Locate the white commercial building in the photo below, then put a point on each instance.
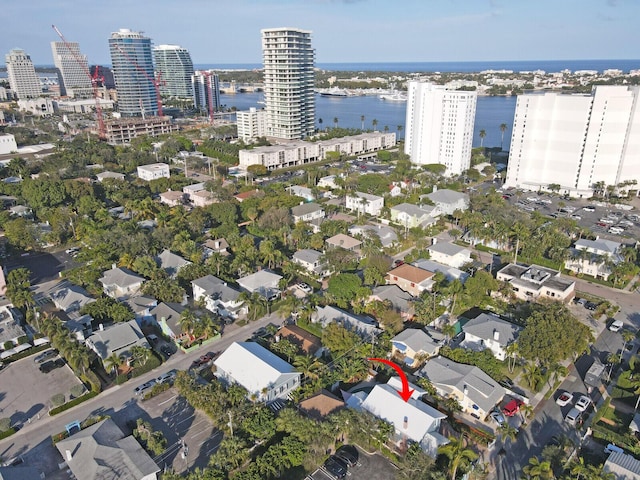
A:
(252, 124)
(22, 75)
(288, 82)
(439, 126)
(575, 141)
(153, 171)
(73, 70)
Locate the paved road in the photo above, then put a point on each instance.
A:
(118, 397)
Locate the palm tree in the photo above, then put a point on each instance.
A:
(557, 370)
(580, 469)
(508, 432)
(386, 129)
(454, 289)
(483, 133)
(307, 365)
(374, 122)
(503, 128)
(112, 362)
(613, 359)
(532, 375)
(520, 231)
(320, 124)
(449, 331)
(187, 321)
(537, 470)
(361, 122)
(511, 351)
(526, 410)
(627, 336)
(335, 122)
(399, 130)
(458, 454)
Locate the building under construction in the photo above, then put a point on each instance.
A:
(123, 130)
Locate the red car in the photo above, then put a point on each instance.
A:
(511, 408)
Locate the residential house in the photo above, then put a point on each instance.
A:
(218, 297)
(487, 331)
(153, 171)
(167, 316)
(189, 190)
(594, 257)
(263, 282)
(328, 182)
(364, 203)
(409, 215)
(449, 254)
(11, 331)
(172, 198)
(21, 211)
(70, 298)
(623, 466)
(306, 212)
(240, 197)
(306, 342)
(218, 245)
(80, 326)
(387, 235)
(300, 191)
(401, 301)
(103, 452)
(320, 405)
(102, 176)
(171, 263)
(532, 282)
(344, 241)
(311, 261)
(415, 345)
(117, 339)
(476, 391)
(448, 201)
(364, 326)
(202, 198)
(412, 420)
(141, 306)
(120, 283)
(395, 190)
(412, 280)
(450, 273)
(265, 375)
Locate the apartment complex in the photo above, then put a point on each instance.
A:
(132, 65)
(288, 82)
(439, 126)
(252, 124)
(72, 69)
(175, 68)
(124, 129)
(299, 153)
(575, 141)
(205, 86)
(22, 75)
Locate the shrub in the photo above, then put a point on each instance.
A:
(153, 362)
(5, 424)
(7, 433)
(72, 403)
(155, 390)
(77, 390)
(22, 339)
(8, 345)
(122, 378)
(89, 377)
(57, 399)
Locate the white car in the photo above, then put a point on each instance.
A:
(616, 325)
(583, 403)
(564, 399)
(589, 208)
(498, 417)
(305, 288)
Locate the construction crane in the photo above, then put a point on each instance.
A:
(95, 79)
(207, 75)
(156, 82)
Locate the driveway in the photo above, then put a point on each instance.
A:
(369, 467)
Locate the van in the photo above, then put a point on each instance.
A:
(616, 325)
(573, 417)
(612, 447)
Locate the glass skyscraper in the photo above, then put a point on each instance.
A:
(175, 67)
(132, 65)
(288, 82)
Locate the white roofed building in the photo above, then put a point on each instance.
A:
(153, 171)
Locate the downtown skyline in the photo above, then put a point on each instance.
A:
(343, 31)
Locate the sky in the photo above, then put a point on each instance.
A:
(343, 31)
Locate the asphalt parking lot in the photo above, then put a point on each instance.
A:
(25, 392)
(181, 426)
(369, 467)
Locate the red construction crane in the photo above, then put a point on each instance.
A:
(156, 82)
(102, 131)
(209, 94)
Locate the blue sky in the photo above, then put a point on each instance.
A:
(228, 31)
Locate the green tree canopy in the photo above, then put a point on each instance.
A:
(344, 288)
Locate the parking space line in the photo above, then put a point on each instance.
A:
(199, 433)
(166, 401)
(188, 418)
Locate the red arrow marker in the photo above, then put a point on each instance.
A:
(406, 392)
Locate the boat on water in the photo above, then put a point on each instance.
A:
(394, 97)
(334, 92)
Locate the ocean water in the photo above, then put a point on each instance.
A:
(463, 67)
(491, 112)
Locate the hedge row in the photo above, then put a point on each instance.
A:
(7, 433)
(156, 390)
(628, 441)
(72, 403)
(27, 353)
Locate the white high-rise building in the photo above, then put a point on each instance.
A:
(575, 141)
(22, 75)
(288, 82)
(175, 67)
(132, 65)
(252, 124)
(206, 88)
(72, 76)
(439, 126)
